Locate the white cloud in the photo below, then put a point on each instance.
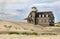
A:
(53, 4)
(17, 1)
(24, 1)
(42, 5)
(24, 4)
(57, 3)
(11, 14)
(12, 1)
(8, 15)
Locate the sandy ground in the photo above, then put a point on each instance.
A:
(22, 27)
(29, 37)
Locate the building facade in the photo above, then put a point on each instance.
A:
(40, 18)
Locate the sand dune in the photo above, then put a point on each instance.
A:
(29, 37)
(17, 26)
(21, 26)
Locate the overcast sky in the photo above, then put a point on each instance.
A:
(17, 10)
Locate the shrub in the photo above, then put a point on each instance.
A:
(13, 33)
(48, 34)
(25, 33)
(34, 33)
(58, 22)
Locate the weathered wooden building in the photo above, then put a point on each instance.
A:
(40, 18)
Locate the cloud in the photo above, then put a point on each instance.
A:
(56, 4)
(24, 1)
(15, 9)
(8, 15)
(53, 4)
(12, 1)
(44, 6)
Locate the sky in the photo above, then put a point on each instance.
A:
(17, 10)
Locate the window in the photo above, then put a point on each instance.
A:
(53, 20)
(42, 15)
(50, 20)
(39, 15)
(47, 15)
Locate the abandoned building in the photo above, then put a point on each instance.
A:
(40, 18)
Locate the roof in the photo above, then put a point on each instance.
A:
(46, 12)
